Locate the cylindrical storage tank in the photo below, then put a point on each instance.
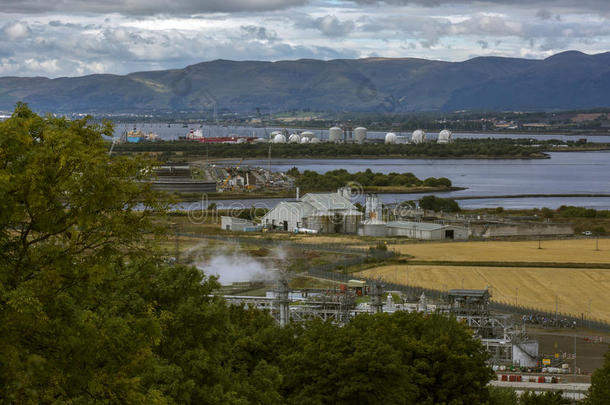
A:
(279, 138)
(314, 140)
(294, 138)
(335, 134)
(390, 137)
(360, 134)
(307, 134)
(419, 136)
(304, 140)
(445, 136)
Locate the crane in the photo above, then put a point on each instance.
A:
(224, 184)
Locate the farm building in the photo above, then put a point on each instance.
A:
(236, 224)
(426, 230)
(320, 212)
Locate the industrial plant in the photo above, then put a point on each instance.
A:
(507, 344)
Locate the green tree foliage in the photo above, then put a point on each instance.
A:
(88, 311)
(399, 359)
(437, 204)
(502, 396)
(459, 148)
(311, 180)
(599, 392)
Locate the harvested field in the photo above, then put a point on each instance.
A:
(553, 251)
(576, 290)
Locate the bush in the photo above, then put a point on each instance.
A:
(436, 204)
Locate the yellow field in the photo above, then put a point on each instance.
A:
(577, 290)
(553, 251)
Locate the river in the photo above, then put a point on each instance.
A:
(563, 173)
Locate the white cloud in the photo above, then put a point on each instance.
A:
(17, 30)
(58, 43)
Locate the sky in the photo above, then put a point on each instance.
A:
(57, 38)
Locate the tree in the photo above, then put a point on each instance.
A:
(599, 392)
(71, 247)
(400, 358)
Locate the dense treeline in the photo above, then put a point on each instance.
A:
(311, 180)
(438, 204)
(91, 310)
(459, 148)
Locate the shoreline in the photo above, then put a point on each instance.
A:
(290, 193)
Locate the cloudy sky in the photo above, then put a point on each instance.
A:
(75, 37)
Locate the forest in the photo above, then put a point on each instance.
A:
(313, 181)
(460, 148)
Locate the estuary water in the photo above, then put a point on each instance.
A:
(563, 173)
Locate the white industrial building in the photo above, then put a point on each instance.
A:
(426, 230)
(315, 212)
(236, 224)
(373, 225)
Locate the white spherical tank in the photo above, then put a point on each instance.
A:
(274, 133)
(304, 139)
(294, 138)
(279, 138)
(335, 134)
(314, 140)
(419, 136)
(307, 134)
(360, 134)
(390, 137)
(445, 136)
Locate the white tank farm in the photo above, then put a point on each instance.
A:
(279, 138)
(390, 138)
(419, 136)
(445, 136)
(294, 138)
(360, 134)
(304, 140)
(335, 134)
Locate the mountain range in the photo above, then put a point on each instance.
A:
(569, 80)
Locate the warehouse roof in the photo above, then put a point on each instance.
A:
(328, 201)
(424, 226)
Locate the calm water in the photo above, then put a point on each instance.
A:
(176, 130)
(564, 173)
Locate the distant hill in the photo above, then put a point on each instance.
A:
(569, 80)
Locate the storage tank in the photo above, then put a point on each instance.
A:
(335, 134)
(419, 136)
(314, 140)
(259, 140)
(307, 134)
(360, 134)
(445, 136)
(279, 138)
(390, 137)
(304, 140)
(294, 138)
